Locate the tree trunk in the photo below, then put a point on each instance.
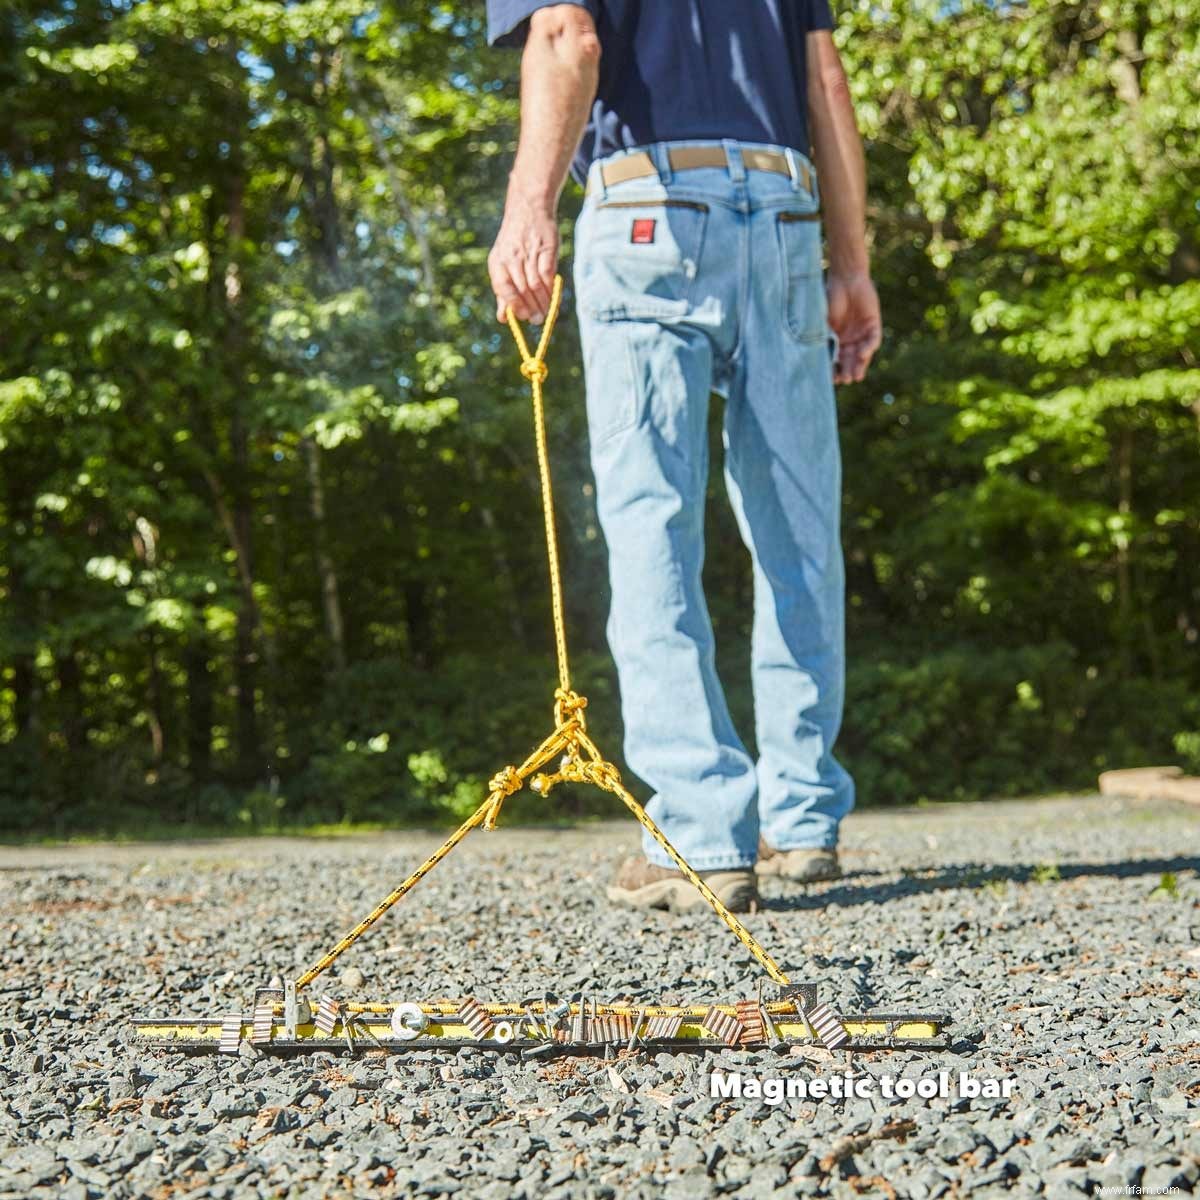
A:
(246, 651)
(155, 704)
(500, 563)
(70, 690)
(1124, 450)
(24, 686)
(22, 603)
(246, 659)
(199, 699)
(328, 278)
(326, 572)
(418, 623)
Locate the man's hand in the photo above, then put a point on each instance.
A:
(854, 316)
(523, 260)
(559, 72)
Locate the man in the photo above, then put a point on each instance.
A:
(698, 269)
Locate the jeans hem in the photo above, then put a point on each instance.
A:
(822, 845)
(725, 863)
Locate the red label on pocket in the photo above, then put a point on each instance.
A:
(643, 231)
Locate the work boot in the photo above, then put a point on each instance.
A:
(643, 884)
(800, 866)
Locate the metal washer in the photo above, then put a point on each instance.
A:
(408, 1022)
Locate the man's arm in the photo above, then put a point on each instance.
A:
(837, 148)
(560, 68)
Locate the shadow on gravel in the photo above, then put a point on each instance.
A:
(856, 888)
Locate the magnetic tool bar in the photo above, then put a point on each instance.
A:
(544, 1027)
(283, 1019)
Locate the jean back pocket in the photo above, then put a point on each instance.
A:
(637, 259)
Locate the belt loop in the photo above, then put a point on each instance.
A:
(595, 183)
(794, 169)
(660, 154)
(733, 160)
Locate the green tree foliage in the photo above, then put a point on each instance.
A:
(1025, 497)
(269, 530)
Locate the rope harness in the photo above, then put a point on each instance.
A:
(579, 759)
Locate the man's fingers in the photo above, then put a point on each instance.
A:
(538, 270)
(506, 297)
(853, 363)
(858, 361)
(539, 296)
(545, 266)
(502, 287)
(512, 296)
(854, 357)
(509, 288)
(527, 292)
(525, 304)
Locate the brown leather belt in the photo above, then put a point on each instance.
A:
(639, 164)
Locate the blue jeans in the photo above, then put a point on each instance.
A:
(710, 281)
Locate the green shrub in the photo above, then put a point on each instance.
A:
(966, 722)
(1187, 746)
(393, 743)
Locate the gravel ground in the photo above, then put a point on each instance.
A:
(1061, 936)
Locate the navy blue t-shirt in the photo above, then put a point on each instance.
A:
(688, 69)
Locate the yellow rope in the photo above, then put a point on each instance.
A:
(580, 760)
(533, 367)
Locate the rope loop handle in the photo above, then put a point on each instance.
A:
(539, 356)
(533, 368)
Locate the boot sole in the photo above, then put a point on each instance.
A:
(733, 889)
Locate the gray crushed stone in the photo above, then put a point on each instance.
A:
(1062, 937)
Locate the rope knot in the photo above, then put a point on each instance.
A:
(569, 702)
(535, 370)
(604, 775)
(506, 782)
